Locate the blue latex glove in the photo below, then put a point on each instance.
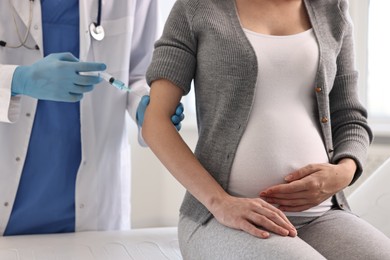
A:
(176, 118)
(56, 77)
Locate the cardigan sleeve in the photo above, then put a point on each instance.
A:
(174, 57)
(351, 133)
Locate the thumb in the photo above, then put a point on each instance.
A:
(141, 109)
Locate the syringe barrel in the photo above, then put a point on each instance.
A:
(106, 76)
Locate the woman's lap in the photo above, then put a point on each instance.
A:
(339, 234)
(214, 241)
(335, 235)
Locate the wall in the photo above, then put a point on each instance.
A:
(156, 195)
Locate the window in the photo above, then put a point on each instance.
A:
(165, 7)
(378, 91)
(372, 55)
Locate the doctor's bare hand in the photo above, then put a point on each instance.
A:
(254, 216)
(310, 185)
(56, 78)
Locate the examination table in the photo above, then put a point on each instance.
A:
(138, 244)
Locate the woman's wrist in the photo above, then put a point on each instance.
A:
(348, 170)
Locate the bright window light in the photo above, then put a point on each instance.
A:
(378, 60)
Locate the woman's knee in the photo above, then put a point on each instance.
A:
(216, 241)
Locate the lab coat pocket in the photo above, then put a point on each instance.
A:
(115, 45)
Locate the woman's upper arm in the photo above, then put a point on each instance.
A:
(174, 57)
(164, 97)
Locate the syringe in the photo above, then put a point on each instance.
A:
(115, 82)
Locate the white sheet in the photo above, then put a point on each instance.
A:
(371, 200)
(138, 244)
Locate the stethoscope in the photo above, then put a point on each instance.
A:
(95, 28)
(22, 40)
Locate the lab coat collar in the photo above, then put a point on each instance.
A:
(22, 9)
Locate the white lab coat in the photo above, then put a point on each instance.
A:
(103, 179)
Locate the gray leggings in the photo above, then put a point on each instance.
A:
(337, 234)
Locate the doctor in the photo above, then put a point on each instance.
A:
(64, 153)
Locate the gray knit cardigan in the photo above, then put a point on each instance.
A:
(204, 41)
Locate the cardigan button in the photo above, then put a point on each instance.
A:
(318, 89)
(324, 120)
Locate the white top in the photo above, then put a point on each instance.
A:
(103, 180)
(282, 134)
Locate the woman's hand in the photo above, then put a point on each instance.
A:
(254, 216)
(310, 185)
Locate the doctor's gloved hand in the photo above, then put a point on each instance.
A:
(176, 118)
(56, 78)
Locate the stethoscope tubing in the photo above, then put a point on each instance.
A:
(99, 15)
(22, 40)
(96, 29)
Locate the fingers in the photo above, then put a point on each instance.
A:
(80, 89)
(178, 116)
(78, 66)
(280, 213)
(178, 127)
(83, 80)
(64, 56)
(176, 119)
(89, 66)
(180, 110)
(253, 230)
(264, 222)
(273, 220)
(287, 202)
(73, 97)
(254, 216)
(145, 100)
(303, 172)
(262, 214)
(293, 187)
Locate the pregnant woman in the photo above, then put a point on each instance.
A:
(281, 129)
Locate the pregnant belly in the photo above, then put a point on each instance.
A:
(264, 157)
